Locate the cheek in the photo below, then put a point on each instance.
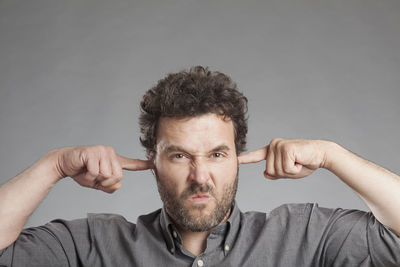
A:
(171, 171)
(170, 168)
(224, 173)
(173, 176)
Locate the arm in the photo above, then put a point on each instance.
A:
(378, 187)
(98, 167)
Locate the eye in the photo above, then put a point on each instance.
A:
(217, 155)
(179, 156)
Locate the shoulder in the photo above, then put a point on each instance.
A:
(314, 210)
(108, 221)
(94, 225)
(102, 220)
(299, 209)
(284, 210)
(101, 223)
(150, 217)
(117, 218)
(309, 213)
(106, 217)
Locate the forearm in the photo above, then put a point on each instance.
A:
(20, 196)
(378, 187)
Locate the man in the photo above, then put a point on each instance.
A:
(194, 128)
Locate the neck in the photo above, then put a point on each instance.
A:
(196, 242)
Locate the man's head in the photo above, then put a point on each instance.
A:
(192, 93)
(194, 126)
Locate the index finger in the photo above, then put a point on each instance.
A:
(135, 164)
(254, 156)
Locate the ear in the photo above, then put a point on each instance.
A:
(151, 155)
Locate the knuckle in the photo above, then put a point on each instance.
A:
(110, 149)
(118, 177)
(270, 171)
(94, 171)
(117, 168)
(96, 186)
(104, 183)
(286, 168)
(82, 151)
(280, 143)
(99, 149)
(118, 186)
(112, 189)
(96, 148)
(289, 147)
(106, 173)
(92, 151)
(269, 175)
(102, 149)
(275, 141)
(286, 147)
(109, 191)
(289, 170)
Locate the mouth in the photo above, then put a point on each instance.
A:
(200, 198)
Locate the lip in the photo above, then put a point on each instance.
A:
(200, 197)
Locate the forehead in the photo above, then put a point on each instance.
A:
(196, 134)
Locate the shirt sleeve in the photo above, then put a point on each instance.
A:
(54, 244)
(351, 238)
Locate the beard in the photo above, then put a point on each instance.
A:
(196, 218)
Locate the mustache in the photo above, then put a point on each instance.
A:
(195, 189)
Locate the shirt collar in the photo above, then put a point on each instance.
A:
(230, 229)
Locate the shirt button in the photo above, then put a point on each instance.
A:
(200, 263)
(226, 248)
(174, 234)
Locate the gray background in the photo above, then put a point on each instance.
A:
(73, 73)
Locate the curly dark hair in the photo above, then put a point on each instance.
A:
(189, 93)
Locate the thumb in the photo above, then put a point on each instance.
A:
(135, 164)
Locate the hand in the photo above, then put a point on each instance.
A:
(287, 158)
(97, 167)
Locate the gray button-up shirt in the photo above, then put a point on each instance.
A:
(290, 235)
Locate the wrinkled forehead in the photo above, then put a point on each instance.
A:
(196, 134)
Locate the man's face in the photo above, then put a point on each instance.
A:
(196, 170)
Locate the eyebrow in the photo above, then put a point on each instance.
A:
(220, 148)
(173, 148)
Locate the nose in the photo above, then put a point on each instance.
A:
(199, 173)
